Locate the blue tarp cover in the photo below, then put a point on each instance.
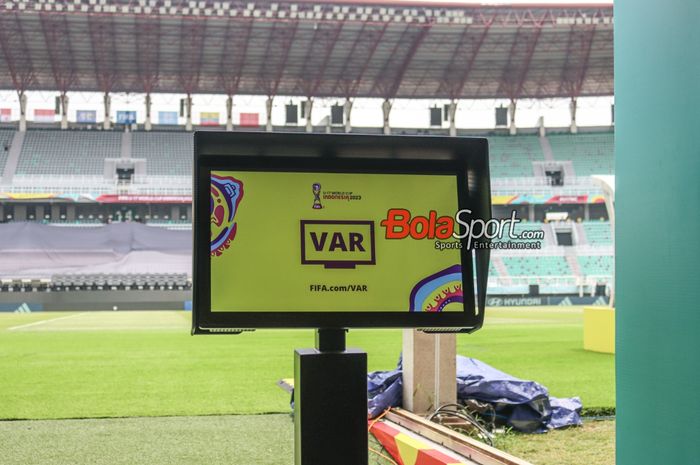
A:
(524, 405)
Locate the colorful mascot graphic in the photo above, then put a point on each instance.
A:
(438, 291)
(226, 194)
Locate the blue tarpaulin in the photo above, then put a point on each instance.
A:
(524, 405)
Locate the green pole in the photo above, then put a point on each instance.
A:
(657, 93)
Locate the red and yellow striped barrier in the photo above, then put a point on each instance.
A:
(409, 450)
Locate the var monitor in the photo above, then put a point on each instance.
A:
(337, 231)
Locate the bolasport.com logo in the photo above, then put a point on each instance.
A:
(454, 232)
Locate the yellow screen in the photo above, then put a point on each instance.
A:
(313, 242)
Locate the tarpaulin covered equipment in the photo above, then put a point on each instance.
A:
(524, 405)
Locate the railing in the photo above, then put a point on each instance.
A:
(58, 184)
(531, 185)
(182, 185)
(566, 284)
(556, 251)
(161, 185)
(574, 181)
(55, 184)
(568, 280)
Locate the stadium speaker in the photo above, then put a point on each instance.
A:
(182, 108)
(58, 106)
(612, 113)
(292, 114)
(337, 114)
(436, 116)
(302, 109)
(534, 289)
(446, 112)
(501, 116)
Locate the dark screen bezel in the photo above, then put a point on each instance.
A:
(263, 152)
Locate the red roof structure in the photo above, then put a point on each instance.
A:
(360, 48)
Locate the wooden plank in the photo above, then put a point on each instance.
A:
(474, 450)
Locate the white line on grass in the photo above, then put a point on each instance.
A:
(44, 321)
(114, 328)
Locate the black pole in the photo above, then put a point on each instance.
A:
(330, 339)
(330, 402)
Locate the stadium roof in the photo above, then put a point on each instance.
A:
(359, 48)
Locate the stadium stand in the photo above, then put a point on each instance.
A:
(72, 162)
(5, 141)
(513, 156)
(591, 154)
(83, 223)
(100, 281)
(519, 228)
(597, 232)
(167, 153)
(492, 269)
(537, 266)
(60, 177)
(48, 152)
(596, 265)
(172, 224)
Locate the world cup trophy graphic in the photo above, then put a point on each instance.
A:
(316, 188)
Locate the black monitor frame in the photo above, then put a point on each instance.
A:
(466, 158)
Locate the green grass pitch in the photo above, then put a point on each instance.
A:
(122, 364)
(175, 391)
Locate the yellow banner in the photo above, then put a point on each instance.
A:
(24, 196)
(314, 242)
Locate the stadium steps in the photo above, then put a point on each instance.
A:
(572, 260)
(13, 157)
(501, 269)
(126, 145)
(550, 237)
(580, 237)
(546, 149)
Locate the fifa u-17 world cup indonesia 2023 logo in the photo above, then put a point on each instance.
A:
(316, 189)
(226, 194)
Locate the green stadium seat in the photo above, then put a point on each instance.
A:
(5, 141)
(590, 154)
(512, 156)
(596, 265)
(598, 232)
(537, 266)
(167, 153)
(75, 153)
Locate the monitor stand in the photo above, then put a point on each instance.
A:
(330, 402)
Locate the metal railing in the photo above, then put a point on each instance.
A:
(182, 185)
(72, 184)
(539, 185)
(556, 251)
(554, 281)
